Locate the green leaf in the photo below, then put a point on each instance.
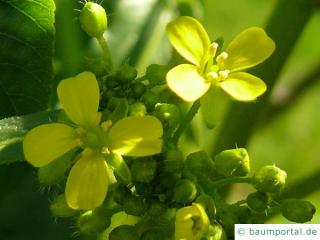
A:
(26, 40)
(13, 129)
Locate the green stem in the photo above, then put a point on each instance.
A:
(186, 121)
(284, 27)
(225, 181)
(105, 49)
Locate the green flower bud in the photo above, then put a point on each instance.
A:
(233, 162)
(166, 180)
(208, 204)
(126, 73)
(124, 232)
(173, 162)
(60, 208)
(135, 206)
(215, 232)
(153, 235)
(119, 166)
(143, 170)
(95, 221)
(120, 194)
(93, 19)
(54, 172)
(137, 109)
(157, 209)
(138, 89)
(169, 114)
(258, 201)
(184, 191)
(150, 99)
(296, 210)
(270, 179)
(200, 163)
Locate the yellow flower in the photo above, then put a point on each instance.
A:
(87, 182)
(191, 81)
(191, 222)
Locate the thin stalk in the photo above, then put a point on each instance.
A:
(105, 49)
(186, 121)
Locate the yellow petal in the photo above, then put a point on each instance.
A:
(243, 86)
(87, 183)
(185, 81)
(191, 222)
(79, 96)
(189, 38)
(136, 136)
(249, 48)
(47, 142)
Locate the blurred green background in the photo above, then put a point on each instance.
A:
(289, 136)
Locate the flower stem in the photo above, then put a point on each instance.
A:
(222, 182)
(105, 49)
(186, 121)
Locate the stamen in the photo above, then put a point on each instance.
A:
(213, 76)
(213, 49)
(224, 74)
(222, 57)
(105, 150)
(106, 125)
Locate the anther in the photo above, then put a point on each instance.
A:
(222, 57)
(213, 76)
(224, 74)
(213, 49)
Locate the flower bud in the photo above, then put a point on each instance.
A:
(296, 210)
(258, 201)
(120, 194)
(169, 114)
(173, 162)
(120, 167)
(60, 208)
(143, 170)
(270, 179)
(95, 221)
(137, 109)
(138, 89)
(157, 209)
(54, 172)
(134, 205)
(93, 19)
(184, 191)
(215, 232)
(191, 222)
(208, 204)
(126, 232)
(233, 162)
(200, 163)
(126, 73)
(153, 235)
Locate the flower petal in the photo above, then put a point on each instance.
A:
(186, 82)
(79, 97)
(189, 38)
(243, 86)
(136, 136)
(47, 142)
(87, 183)
(249, 48)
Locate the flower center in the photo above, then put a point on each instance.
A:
(93, 137)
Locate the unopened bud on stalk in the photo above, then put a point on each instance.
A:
(184, 191)
(258, 201)
(60, 208)
(93, 19)
(270, 179)
(296, 210)
(143, 170)
(233, 162)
